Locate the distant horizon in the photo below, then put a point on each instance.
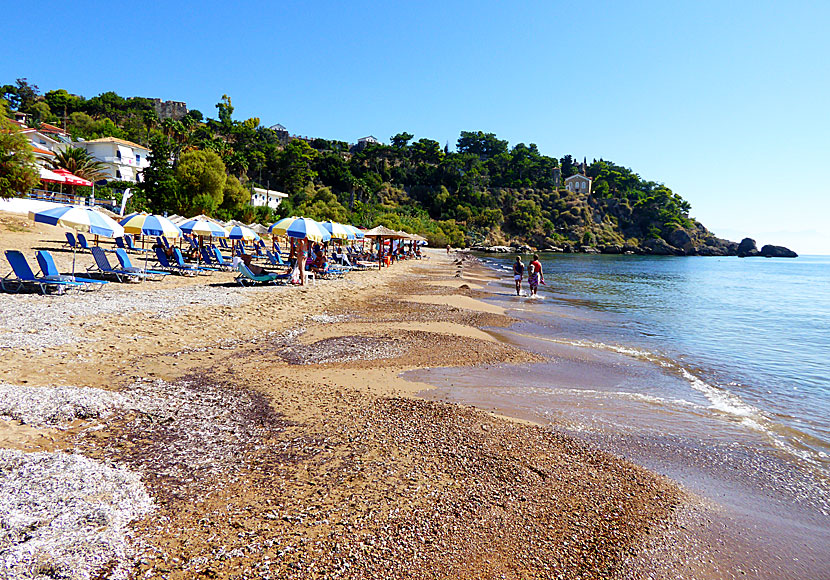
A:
(725, 104)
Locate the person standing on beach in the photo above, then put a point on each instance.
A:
(535, 275)
(518, 274)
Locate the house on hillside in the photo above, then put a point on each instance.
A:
(43, 146)
(282, 133)
(123, 160)
(269, 197)
(578, 184)
(55, 132)
(364, 142)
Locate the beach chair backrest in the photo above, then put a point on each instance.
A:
(47, 263)
(162, 258)
(162, 242)
(123, 258)
(130, 242)
(246, 271)
(101, 259)
(82, 242)
(120, 242)
(219, 257)
(20, 266)
(206, 256)
(177, 253)
(70, 239)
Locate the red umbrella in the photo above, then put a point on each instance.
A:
(72, 179)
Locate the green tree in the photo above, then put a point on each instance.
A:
(81, 163)
(401, 140)
(295, 165)
(160, 184)
(236, 198)
(485, 145)
(323, 206)
(17, 170)
(201, 176)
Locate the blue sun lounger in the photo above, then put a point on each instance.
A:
(24, 277)
(166, 265)
(127, 265)
(177, 254)
(102, 266)
(50, 272)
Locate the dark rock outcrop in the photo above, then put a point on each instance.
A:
(660, 247)
(770, 251)
(747, 248)
(681, 239)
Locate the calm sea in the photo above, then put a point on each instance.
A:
(749, 338)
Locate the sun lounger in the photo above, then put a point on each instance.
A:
(130, 243)
(210, 260)
(82, 243)
(177, 255)
(166, 265)
(274, 258)
(127, 265)
(103, 267)
(22, 276)
(50, 272)
(220, 259)
(70, 240)
(248, 278)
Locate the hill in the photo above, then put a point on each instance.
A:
(483, 193)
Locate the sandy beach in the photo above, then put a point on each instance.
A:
(193, 428)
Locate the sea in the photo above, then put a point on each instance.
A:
(713, 371)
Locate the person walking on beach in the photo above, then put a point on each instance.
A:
(535, 275)
(518, 274)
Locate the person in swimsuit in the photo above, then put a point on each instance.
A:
(536, 275)
(518, 274)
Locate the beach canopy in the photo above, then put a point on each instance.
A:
(242, 232)
(70, 179)
(150, 225)
(259, 228)
(382, 232)
(204, 226)
(48, 175)
(81, 219)
(300, 227)
(338, 231)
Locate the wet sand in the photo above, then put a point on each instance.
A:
(756, 513)
(277, 439)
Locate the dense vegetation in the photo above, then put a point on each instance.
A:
(483, 192)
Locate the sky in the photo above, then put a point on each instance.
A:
(727, 103)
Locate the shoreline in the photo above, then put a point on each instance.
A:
(275, 436)
(762, 518)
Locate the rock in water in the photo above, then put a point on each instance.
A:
(770, 251)
(747, 248)
(659, 247)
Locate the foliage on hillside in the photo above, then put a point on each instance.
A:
(484, 192)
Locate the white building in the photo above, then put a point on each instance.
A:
(44, 146)
(123, 160)
(578, 184)
(269, 197)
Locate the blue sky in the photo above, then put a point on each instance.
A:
(727, 103)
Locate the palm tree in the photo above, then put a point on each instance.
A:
(81, 163)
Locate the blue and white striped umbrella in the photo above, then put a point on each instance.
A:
(81, 219)
(338, 231)
(204, 227)
(150, 225)
(242, 233)
(300, 227)
(358, 235)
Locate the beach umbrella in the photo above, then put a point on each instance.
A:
(338, 231)
(202, 226)
(300, 227)
(358, 234)
(71, 179)
(80, 219)
(242, 232)
(150, 225)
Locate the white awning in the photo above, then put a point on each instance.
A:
(127, 155)
(51, 175)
